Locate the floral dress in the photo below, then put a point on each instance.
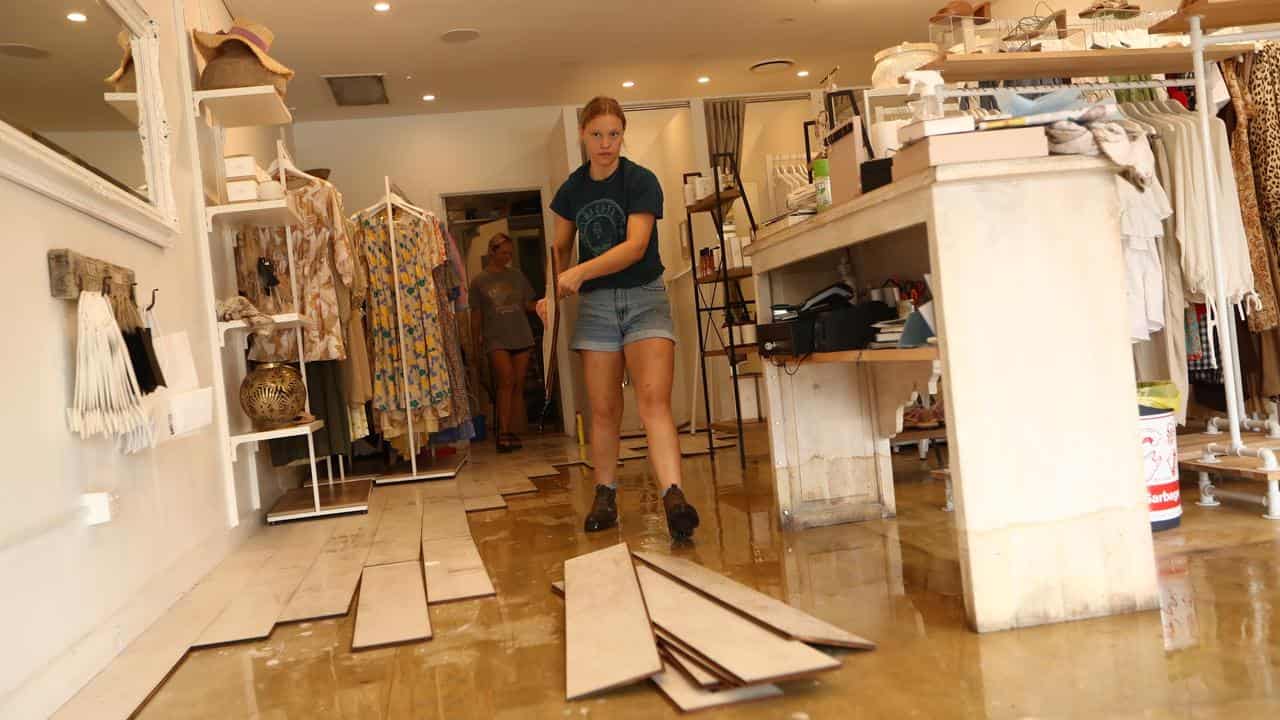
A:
(420, 249)
(322, 235)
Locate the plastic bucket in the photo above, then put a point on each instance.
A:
(1158, 438)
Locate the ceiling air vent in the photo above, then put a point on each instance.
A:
(356, 90)
(772, 65)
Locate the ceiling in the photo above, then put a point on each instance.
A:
(62, 91)
(566, 51)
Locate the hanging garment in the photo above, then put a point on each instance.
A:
(324, 390)
(106, 397)
(1266, 315)
(1165, 357)
(419, 249)
(1264, 133)
(1180, 131)
(447, 284)
(357, 378)
(321, 234)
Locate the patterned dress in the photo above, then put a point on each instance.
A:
(321, 235)
(420, 249)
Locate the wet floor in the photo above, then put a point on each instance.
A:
(1213, 651)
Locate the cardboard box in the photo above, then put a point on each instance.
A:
(845, 157)
(970, 147)
(242, 191)
(241, 167)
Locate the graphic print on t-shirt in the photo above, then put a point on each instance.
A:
(602, 224)
(503, 297)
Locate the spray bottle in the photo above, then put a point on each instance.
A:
(925, 83)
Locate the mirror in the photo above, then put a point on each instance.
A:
(83, 110)
(52, 87)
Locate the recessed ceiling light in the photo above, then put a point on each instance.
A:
(803, 73)
(460, 35)
(382, 7)
(408, 77)
(77, 17)
(429, 98)
(628, 84)
(704, 80)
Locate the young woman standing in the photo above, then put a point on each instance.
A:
(502, 297)
(624, 319)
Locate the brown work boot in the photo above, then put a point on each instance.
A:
(604, 511)
(681, 517)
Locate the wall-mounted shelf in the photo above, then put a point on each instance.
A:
(742, 350)
(1219, 14)
(708, 203)
(736, 273)
(243, 107)
(263, 213)
(284, 432)
(283, 321)
(1087, 63)
(335, 499)
(921, 354)
(124, 103)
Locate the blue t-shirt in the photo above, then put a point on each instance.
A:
(600, 209)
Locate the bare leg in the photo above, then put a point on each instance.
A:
(603, 373)
(519, 369)
(503, 380)
(652, 365)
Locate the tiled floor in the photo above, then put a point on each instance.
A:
(1214, 651)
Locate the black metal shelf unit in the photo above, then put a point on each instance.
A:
(726, 281)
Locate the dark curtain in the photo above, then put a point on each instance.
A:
(724, 128)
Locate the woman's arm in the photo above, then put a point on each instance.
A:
(619, 257)
(562, 243)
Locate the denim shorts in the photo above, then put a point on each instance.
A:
(609, 319)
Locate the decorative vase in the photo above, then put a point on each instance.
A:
(273, 395)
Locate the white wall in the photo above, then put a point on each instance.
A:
(75, 595)
(431, 155)
(770, 128)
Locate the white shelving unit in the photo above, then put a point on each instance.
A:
(242, 107)
(124, 103)
(284, 321)
(259, 107)
(267, 213)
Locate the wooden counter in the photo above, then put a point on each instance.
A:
(1028, 274)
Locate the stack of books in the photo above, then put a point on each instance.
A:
(960, 139)
(888, 334)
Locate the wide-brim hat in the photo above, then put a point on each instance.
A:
(254, 36)
(124, 40)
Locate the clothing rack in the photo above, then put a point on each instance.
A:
(392, 199)
(1198, 17)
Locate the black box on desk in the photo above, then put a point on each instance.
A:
(791, 337)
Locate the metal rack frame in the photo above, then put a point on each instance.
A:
(706, 309)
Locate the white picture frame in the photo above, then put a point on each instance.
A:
(26, 162)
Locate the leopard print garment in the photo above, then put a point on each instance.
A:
(1267, 316)
(1264, 134)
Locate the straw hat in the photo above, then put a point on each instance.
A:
(254, 36)
(123, 40)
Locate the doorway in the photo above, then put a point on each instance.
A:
(473, 219)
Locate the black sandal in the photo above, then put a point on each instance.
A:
(513, 441)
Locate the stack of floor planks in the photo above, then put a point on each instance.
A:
(704, 640)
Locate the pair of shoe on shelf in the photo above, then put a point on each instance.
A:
(682, 518)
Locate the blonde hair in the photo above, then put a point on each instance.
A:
(498, 241)
(600, 106)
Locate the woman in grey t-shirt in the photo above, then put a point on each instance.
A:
(501, 298)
